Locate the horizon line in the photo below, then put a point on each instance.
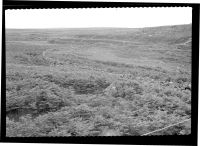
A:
(100, 27)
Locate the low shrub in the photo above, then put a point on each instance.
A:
(82, 111)
(37, 96)
(88, 86)
(16, 76)
(25, 128)
(124, 89)
(181, 80)
(22, 59)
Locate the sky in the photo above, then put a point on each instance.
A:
(97, 17)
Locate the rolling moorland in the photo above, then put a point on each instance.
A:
(98, 81)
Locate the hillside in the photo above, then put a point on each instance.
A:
(98, 81)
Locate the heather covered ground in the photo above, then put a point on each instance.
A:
(98, 81)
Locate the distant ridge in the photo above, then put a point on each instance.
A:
(97, 28)
(173, 34)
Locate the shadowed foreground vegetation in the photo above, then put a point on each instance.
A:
(56, 84)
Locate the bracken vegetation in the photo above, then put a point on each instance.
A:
(98, 83)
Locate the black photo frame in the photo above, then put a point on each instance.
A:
(144, 140)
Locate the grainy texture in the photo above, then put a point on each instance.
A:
(98, 82)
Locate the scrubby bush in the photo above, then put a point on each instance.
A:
(86, 86)
(89, 85)
(65, 123)
(37, 96)
(181, 80)
(82, 111)
(32, 54)
(15, 76)
(124, 89)
(25, 128)
(22, 59)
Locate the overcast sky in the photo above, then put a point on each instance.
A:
(100, 17)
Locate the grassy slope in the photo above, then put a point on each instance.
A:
(98, 81)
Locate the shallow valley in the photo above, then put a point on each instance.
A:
(98, 81)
